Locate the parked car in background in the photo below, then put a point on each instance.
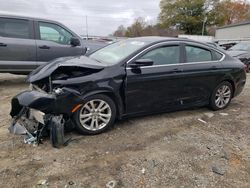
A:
(26, 43)
(132, 77)
(93, 45)
(216, 45)
(227, 45)
(96, 43)
(241, 51)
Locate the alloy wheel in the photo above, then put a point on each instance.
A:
(95, 115)
(223, 96)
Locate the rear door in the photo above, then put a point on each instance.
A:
(53, 41)
(202, 69)
(17, 45)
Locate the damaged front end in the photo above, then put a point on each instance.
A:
(34, 116)
(46, 108)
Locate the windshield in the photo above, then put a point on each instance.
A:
(243, 46)
(116, 52)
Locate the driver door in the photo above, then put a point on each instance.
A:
(157, 87)
(54, 42)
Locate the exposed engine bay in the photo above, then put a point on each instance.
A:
(62, 73)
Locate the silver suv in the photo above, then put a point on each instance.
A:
(26, 43)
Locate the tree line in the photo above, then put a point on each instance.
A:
(192, 17)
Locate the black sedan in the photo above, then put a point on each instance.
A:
(133, 77)
(241, 51)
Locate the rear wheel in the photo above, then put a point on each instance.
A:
(221, 96)
(96, 115)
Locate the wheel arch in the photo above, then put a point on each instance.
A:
(232, 83)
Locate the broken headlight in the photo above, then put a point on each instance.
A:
(58, 91)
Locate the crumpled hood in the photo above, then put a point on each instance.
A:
(47, 69)
(236, 53)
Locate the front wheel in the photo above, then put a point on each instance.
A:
(96, 115)
(221, 96)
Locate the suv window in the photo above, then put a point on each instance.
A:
(55, 33)
(164, 55)
(14, 28)
(197, 54)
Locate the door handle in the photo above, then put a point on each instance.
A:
(176, 70)
(213, 68)
(3, 45)
(44, 47)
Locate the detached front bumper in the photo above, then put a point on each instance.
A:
(34, 100)
(36, 113)
(28, 112)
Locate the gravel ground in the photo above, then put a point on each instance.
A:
(193, 148)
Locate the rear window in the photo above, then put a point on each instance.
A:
(14, 28)
(197, 54)
(242, 46)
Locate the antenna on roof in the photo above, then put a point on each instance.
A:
(87, 32)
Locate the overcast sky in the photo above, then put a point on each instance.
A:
(104, 16)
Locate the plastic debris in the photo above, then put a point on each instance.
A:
(202, 121)
(111, 184)
(143, 170)
(224, 114)
(43, 182)
(209, 114)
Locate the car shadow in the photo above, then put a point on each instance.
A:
(168, 114)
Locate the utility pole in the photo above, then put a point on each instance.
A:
(203, 26)
(87, 32)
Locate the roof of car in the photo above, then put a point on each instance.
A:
(151, 38)
(26, 17)
(36, 19)
(156, 39)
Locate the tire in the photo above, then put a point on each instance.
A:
(97, 114)
(223, 92)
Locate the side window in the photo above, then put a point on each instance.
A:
(197, 54)
(164, 55)
(217, 56)
(14, 28)
(55, 33)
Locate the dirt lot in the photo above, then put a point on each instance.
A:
(167, 150)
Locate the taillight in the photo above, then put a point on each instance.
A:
(246, 68)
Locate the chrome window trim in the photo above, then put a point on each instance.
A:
(169, 43)
(180, 64)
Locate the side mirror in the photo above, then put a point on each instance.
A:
(141, 62)
(84, 50)
(75, 41)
